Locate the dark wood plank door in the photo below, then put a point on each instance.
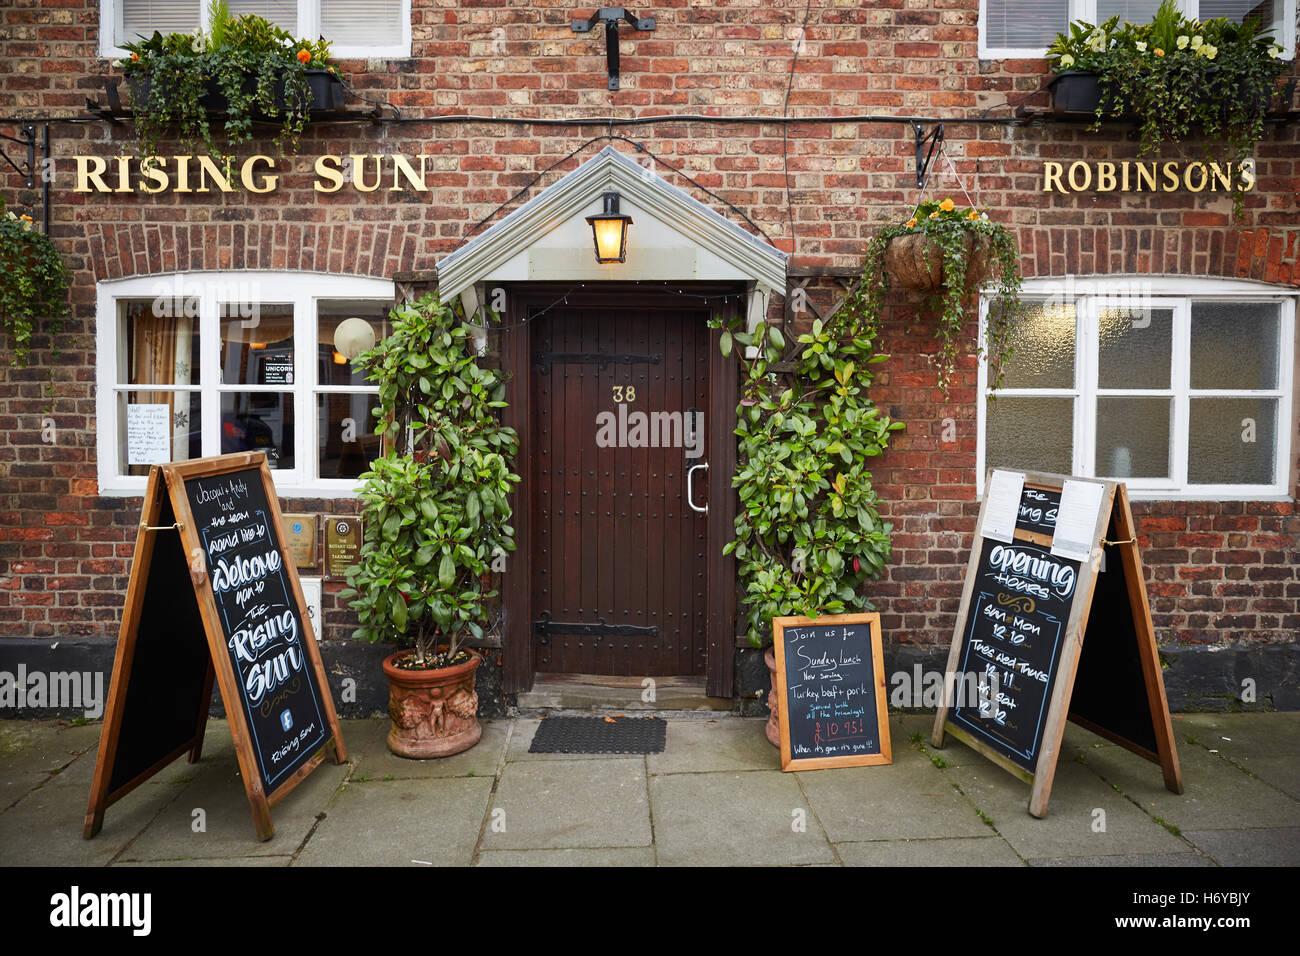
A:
(618, 557)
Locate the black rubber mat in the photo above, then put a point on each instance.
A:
(600, 735)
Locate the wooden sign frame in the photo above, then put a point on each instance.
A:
(872, 620)
(157, 497)
(1114, 511)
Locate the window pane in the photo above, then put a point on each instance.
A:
(258, 421)
(257, 349)
(1025, 23)
(346, 439)
(143, 17)
(157, 349)
(1132, 437)
(1128, 11)
(361, 22)
(1134, 348)
(1238, 10)
(1044, 348)
(1031, 433)
(165, 426)
(1233, 441)
(283, 13)
(1235, 344)
(333, 368)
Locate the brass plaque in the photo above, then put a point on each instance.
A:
(300, 539)
(342, 545)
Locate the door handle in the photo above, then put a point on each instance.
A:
(690, 500)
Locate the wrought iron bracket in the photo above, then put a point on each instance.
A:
(935, 139)
(28, 169)
(612, 17)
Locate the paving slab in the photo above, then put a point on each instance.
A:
(702, 746)
(622, 856)
(1068, 829)
(556, 804)
(1216, 795)
(1242, 735)
(1280, 772)
(1190, 858)
(400, 823)
(228, 831)
(907, 800)
(372, 760)
(961, 851)
(1249, 847)
(31, 750)
(734, 819)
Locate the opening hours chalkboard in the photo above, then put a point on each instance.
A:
(830, 680)
(1054, 624)
(214, 595)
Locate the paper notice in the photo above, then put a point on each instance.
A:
(1002, 505)
(1076, 520)
(148, 435)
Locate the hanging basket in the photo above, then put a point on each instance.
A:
(915, 262)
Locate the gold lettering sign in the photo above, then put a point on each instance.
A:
(151, 175)
(1147, 176)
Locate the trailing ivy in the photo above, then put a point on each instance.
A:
(436, 509)
(35, 286)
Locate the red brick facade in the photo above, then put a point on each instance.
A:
(1222, 572)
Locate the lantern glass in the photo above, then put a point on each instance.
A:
(609, 229)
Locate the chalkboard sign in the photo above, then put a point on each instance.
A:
(1042, 637)
(831, 685)
(1012, 645)
(262, 625)
(213, 594)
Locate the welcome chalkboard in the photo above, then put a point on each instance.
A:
(213, 594)
(261, 624)
(1042, 637)
(1012, 646)
(831, 687)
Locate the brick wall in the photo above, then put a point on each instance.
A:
(1218, 571)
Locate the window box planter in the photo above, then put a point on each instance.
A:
(1077, 93)
(325, 93)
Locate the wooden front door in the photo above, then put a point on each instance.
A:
(619, 572)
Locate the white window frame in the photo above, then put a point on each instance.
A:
(1090, 294)
(304, 291)
(1086, 10)
(110, 16)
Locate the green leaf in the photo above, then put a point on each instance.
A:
(724, 343)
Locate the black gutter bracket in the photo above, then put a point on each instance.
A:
(935, 139)
(612, 17)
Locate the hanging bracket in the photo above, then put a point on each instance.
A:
(934, 138)
(28, 168)
(612, 17)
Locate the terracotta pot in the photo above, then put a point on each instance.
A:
(433, 712)
(916, 262)
(773, 726)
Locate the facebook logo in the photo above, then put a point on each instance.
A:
(286, 720)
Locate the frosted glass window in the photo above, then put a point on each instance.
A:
(1232, 441)
(1234, 345)
(1134, 348)
(1043, 344)
(1132, 437)
(1024, 23)
(361, 22)
(1030, 433)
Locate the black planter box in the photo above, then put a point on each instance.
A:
(1076, 92)
(324, 92)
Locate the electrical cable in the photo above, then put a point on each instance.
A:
(785, 128)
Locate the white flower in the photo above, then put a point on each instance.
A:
(1275, 51)
(1142, 47)
(1210, 51)
(984, 216)
(1067, 61)
(1197, 42)
(1182, 42)
(117, 64)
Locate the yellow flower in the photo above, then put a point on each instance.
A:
(934, 215)
(911, 222)
(1197, 42)
(1158, 51)
(946, 205)
(1182, 42)
(972, 215)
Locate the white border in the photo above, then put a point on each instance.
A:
(1080, 289)
(302, 289)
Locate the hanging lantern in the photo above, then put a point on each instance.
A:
(609, 229)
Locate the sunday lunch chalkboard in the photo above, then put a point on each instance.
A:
(261, 622)
(831, 688)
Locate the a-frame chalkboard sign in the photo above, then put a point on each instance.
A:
(214, 594)
(1054, 624)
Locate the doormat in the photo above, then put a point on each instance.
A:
(600, 735)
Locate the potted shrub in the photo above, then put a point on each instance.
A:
(808, 535)
(436, 513)
(35, 286)
(948, 252)
(245, 68)
(1172, 75)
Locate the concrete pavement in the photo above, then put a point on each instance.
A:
(716, 796)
